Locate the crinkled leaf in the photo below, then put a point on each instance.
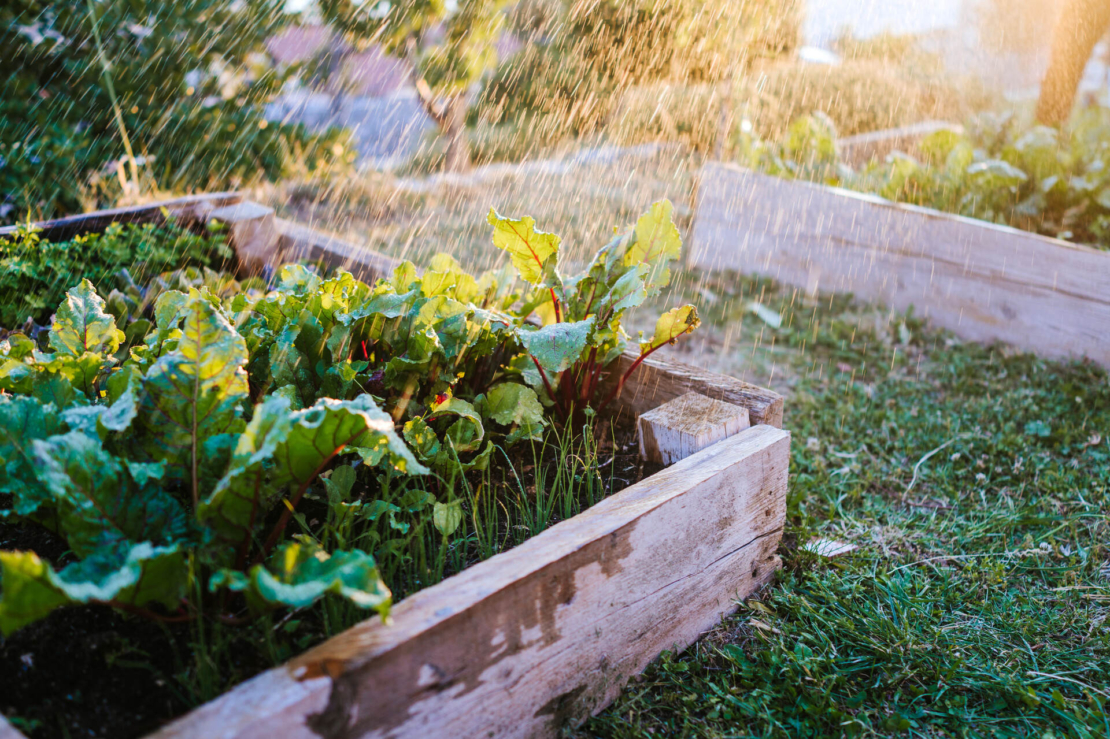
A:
(404, 275)
(82, 325)
(463, 436)
(558, 346)
(422, 438)
(628, 291)
(464, 410)
(168, 308)
(528, 248)
(22, 421)
(333, 426)
(55, 388)
(98, 503)
(510, 404)
(17, 346)
(657, 243)
(242, 497)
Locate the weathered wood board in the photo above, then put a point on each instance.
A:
(657, 381)
(862, 148)
(983, 282)
(187, 208)
(552, 629)
(301, 242)
(7, 732)
(686, 425)
(251, 231)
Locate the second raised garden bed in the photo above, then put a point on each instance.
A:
(545, 633)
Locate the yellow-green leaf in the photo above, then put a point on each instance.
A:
(656, 236)
(528, 248)
(671, 325)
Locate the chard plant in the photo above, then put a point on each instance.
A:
(171, 434)
(583, 314)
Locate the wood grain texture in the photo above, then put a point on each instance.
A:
(184, 208)
(657, 381)
(298, 241)
(686, 425)
(546, 632)
(984, 282)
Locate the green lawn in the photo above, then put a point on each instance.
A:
(977, 601)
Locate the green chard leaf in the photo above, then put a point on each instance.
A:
(510, 404)
(557, 346)
(281, 449)
(241, 499)
(657, 242)
(133, 575)
(300, 573)
(195, 391)
(23, 420)
(99, 504)
(446, 517)
(332, 427)
(83, 325)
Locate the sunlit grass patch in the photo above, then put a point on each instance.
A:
(977, 601)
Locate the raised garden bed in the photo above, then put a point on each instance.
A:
(549, 631)
(982, 281)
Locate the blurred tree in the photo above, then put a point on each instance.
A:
(1082, 23)
(449, 44)
(107, 98)
(578, 66)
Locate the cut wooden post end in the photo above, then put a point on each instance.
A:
(252, 232)
(686, 425)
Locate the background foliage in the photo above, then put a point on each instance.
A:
(187, 87)
(1003, 169)
(34, 274)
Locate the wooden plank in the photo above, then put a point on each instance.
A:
(7, 731)
(862, 148)
(252, 232)
(686, 425)
(550, 630)
(298, 241)
(982, 281)
(657, 381)
(186, 208)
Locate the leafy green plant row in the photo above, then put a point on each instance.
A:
(172, 446)
(35, 273)
(1056, 183)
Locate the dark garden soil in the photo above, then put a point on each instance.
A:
(93, 672)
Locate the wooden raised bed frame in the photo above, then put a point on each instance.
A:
(547, 632)
(982, 281)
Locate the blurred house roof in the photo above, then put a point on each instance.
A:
(372, 72)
